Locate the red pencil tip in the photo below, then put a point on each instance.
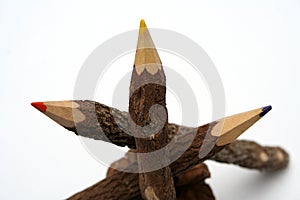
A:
(40, 106)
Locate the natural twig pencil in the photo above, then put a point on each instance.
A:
(95, 120)
(147, 107)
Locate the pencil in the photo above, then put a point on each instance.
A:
(95, 120)
(148, 91)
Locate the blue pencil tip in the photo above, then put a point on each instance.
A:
(265, 110)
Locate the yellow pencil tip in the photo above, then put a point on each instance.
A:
(143, 24)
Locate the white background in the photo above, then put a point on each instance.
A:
(254, 44)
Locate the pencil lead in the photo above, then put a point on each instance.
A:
(265, 110)
(143, 24)
(40, 106)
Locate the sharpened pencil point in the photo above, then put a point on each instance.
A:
(265, 110)
(40, 106)
(143, 24)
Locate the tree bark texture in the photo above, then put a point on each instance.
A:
(149, 119)
(189, 185)
(253, 156)
(122, 185)
(127, 183)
